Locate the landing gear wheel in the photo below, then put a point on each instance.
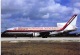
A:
(15, 36)
(44, 36)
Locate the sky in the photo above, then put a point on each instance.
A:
(37, 13)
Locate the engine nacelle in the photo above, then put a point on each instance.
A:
(36, 34)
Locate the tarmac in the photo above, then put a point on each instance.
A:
(52, 39)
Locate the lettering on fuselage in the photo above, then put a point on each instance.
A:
(36, 28)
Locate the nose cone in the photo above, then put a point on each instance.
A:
(10, 29)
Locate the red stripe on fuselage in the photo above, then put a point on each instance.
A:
(27, 30)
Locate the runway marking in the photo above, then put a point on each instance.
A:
(55, 39)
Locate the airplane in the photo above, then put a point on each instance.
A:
(45, 31)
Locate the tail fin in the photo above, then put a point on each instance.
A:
(72, 21)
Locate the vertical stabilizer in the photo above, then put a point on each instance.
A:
(72, 22)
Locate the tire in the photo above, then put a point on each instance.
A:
(44, 36)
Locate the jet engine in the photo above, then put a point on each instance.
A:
(35, 34)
